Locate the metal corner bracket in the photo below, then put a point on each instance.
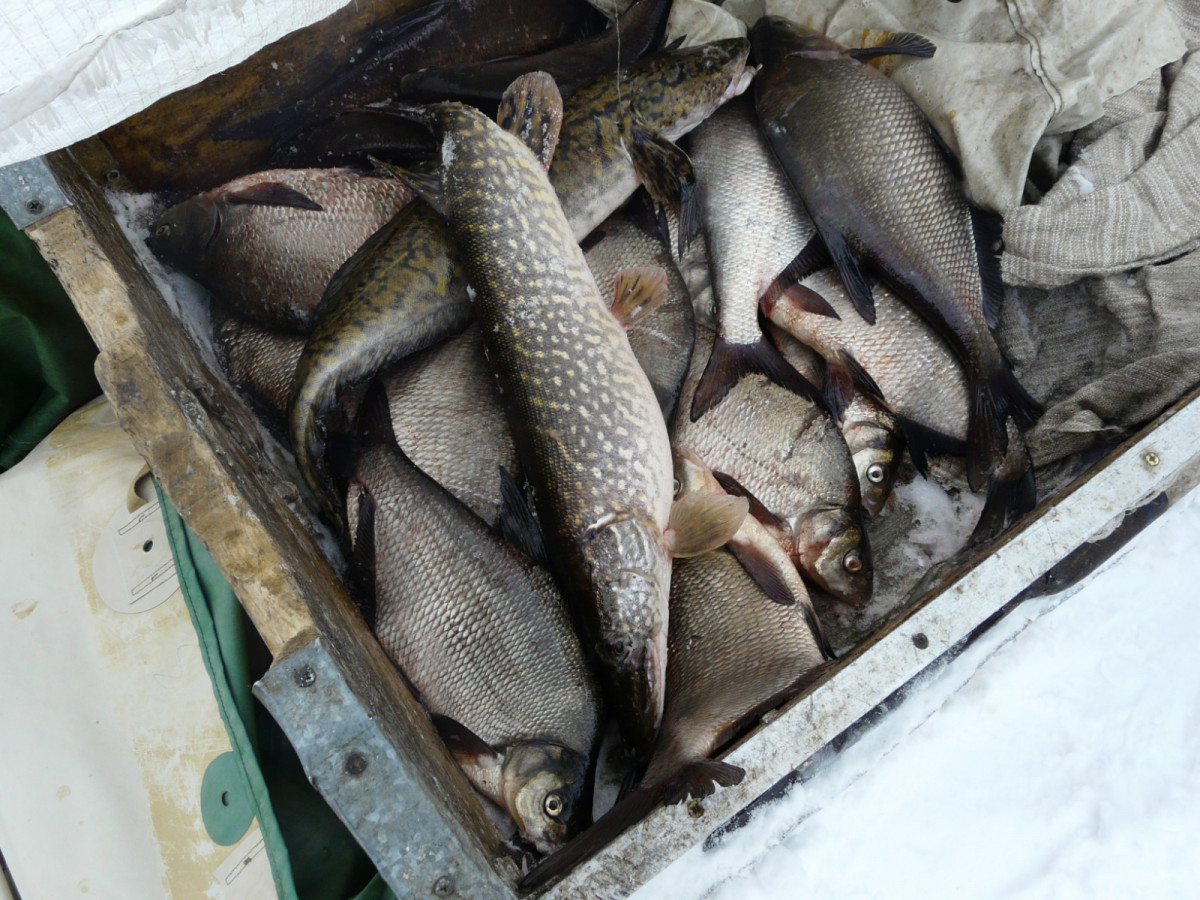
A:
(29, 192)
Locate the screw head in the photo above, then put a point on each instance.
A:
(34, 206)
(355, 764)
(695, 809)
(444, 886)
(1151, 458)
(920, 641)
(305, 676)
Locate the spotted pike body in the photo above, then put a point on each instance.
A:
(586, 422)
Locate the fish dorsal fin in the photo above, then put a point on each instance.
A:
(989, 243)
(668, 176)
(423, 178)
(902, 43)
(701, 522)
(272, 193)
(532, 110)
(516, 523)
(639, 291)
(464, 745)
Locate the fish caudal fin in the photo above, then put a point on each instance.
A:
(699, 779)
(923, 442)
(993, 400)
(729, 362)
(813, 257)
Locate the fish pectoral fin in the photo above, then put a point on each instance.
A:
(758, 510)
(273, 193)
(639, 291)
(849, 266)
(728, 363)
(531, 108)
(902, 43)
(464, 745)
(701, 522)
(802, 298)
(812, 257)
(988, 229)
(699, 779)
(667, 173)
(516, 523)
(764, 571)
(426, 181)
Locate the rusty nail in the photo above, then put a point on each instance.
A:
(444, 887)
(305, 676)
(34, 206)
(1151, 458)
(695, 809)
(355, 764)
(920, 641)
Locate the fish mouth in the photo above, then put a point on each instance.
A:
(740, 82)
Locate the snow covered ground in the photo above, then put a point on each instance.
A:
(1058, 756)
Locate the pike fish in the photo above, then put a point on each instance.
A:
(903, 362)
(754, 225)
(870, 430)
(406, 288)
(639, 28)
(885, 196)
(588, 427)
(267, 244)
(787, 452)
(510, 689)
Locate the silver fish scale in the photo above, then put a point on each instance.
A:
(481, 633)
(731, 649)
(260, 361)
(574, 389)
(897, 194)
(754, 223)
(272, 263)
(781, 447)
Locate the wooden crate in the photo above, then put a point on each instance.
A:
(363, 739)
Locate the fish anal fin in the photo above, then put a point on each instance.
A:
(272, 193)
(729, 362)
(901, 43)
(639, 291)
(838, 388)
(849, 266)
(668, 176)
(699, 779)
(764, 571)
(374, 423)
(362, 565)
(989, 244)
(516, 523)
(464, 745)
(531, 108)
(701, 522)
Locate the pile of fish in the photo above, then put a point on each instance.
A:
(567, 499)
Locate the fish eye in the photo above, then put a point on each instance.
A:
(676, 488)
(852, 562)
(614, 650)
(162, 230)
(876, 473)
(554, 805)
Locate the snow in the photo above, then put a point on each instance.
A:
(1057, 756)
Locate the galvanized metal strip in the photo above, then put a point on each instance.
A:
(28, 192)
(810, 723)
(413, 840)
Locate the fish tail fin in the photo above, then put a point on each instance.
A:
(994, 398)
(1007, 501)
(729, 362)
(923, 442)
(699, 779)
